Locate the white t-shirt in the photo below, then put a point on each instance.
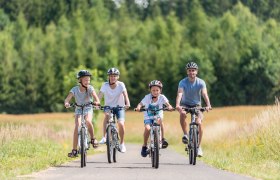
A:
(147, 101)
(113, 97)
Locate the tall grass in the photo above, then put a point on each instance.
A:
(32, 142)
(252, 148)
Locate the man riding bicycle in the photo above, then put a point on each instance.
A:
(189, 94)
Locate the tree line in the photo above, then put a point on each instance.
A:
(43, 43)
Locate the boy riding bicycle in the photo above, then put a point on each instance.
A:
(83, 94)
(115, 94)
(154, 100)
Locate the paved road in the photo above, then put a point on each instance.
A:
(131, 166)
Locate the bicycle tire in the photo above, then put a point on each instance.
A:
(82, 142)
(195, 140)
(156, 149)
(115, 135)
(190, 146)
(115, 155)
(109, 144)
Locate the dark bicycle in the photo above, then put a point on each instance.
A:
(83, 137)
(155, 135)
(192, 146)
(112, 136)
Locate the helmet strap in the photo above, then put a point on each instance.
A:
(83, 86)
(111, 83)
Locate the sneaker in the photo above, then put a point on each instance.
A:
(185, 139)
(102, 141)
(144, 151)
(122, 148)
(164, 143)
(199, 152)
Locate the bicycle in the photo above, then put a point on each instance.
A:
(83, 137)
(155, 136)
(192, 146)
(112, 136)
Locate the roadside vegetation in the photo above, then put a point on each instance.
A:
(250, 148)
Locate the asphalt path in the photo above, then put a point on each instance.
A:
(131, 166)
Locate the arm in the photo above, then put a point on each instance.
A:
(178, 99)
(139, 106)
(100, 95)
(169, 107)
(96, 98)
(206, 99)
(126, 99)
(67, 100)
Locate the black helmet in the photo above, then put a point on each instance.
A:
(113, 71)
(83, 73)
(191, 65)
(155, 83)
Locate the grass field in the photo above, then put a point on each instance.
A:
(32, 142)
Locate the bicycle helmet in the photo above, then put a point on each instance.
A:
(155, 83)
(191, 65)
(114, 71)
(83, 73)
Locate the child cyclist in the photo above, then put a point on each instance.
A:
(154, 100)
(115, 94)
(84, 93)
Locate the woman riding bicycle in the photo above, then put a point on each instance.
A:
(189, 95)
(153, 100)
(84, 93)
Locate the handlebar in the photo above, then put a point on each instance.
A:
(84, 105)
(111, 108)
(153, 111)
(194, 109)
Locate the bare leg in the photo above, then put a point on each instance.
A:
(105, 121)
(121, 130)
(146, 134)
(200, 134)
(183, 122)
(88, 118)
(75, 134)
(162, 129)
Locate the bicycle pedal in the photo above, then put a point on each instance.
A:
(187, 149)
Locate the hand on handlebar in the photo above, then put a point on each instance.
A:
(67, 105)
(207, 108)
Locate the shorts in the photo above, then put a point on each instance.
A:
(150, 121)
(120, 113)
(78, 111)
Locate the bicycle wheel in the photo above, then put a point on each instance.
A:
(115, 135)
(195, 140)
(109, 143)
(156, 149)
(83, 152)
(190, 146)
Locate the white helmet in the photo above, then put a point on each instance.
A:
(113, 71)
(155, 83)
(191, 65)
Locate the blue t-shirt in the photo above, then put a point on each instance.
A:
(191, 91)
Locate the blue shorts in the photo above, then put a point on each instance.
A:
(78, 111)
(120, 113)
(150, 121)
